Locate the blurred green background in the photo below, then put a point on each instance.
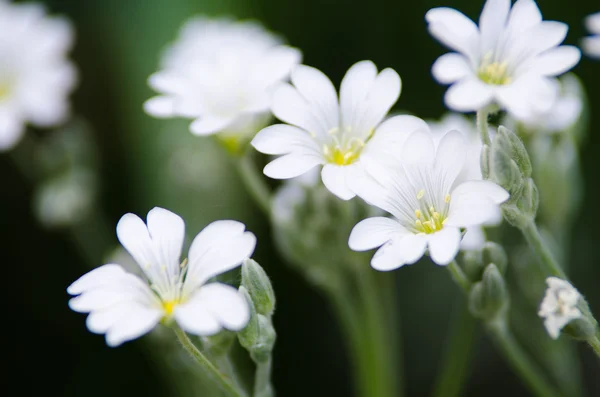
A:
(117, 47)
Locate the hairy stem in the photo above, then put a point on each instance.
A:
(254, 182)
(541, 249)
(482, 126)
(222, 380)
(262, 379)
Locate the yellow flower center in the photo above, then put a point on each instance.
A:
(343, 148)
(169, 307)
(494, 73)
(429, 219)
(4, 90)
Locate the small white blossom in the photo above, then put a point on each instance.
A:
(428, 202)
(219, 73)
(35, 75)
(591, 44)
(564, 112)
(510, 59)
(559, 306)
(339, 134)
(124, 306)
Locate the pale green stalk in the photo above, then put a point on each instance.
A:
(225, 383)
(482, 126)
(254, 182)
(541, 249)
(262, 379)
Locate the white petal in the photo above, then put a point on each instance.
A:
(592, 23)
(195, 318)
(160, 106)
(528, 96)
(291, 165)
(419, 149)
(492, 22)
(382, 95)
(591, 45)
(524, 15)
(209, 124)
(374, 232)
(486, 189)
(133, 235)
(468, 95)
(450, 158)
(11, 130)
(277, 65)
(388, 257)
(370, 190)
(166, 82)
(103, 275)
(473, 240)
(291, 107)
(226, 304)
(220, 247)
(412, 247)
(454, 30)
(335, 177)
(451, 67)
(354, 89)
(283, 139)
(319, 92)
(167, 231)
(557, 61)
(390, 136)
(444, 245)
(137, 323)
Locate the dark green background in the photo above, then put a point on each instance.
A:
(118, 46)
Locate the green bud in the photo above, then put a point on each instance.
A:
(472, 265)
(514, 216)
(263, 347)
(494, 253)
(250, 333)
(259, 287)
(580, 329)
(220, 344)
(488, 298)
(518, 151)
(529, 200)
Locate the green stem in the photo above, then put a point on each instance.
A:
(459, 276)
(482, 126)
(594, 344)
(223, 362)
(380, 356)
(520, 362)
(208, 367)
(262, 379)
(254, 182)
(457, 355)
(533, 237)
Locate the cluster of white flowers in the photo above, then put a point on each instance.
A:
(591, 45)
(559, 306)
(219, 73)
(35, 75)
(509, 60)
(124, 306)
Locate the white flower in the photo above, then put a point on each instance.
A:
(563, 113)
(428, 204)
(35, 75)
(591, 45)
(220, 72)
(339, 134)
(510, 59)
(559, 306)
(124, 306)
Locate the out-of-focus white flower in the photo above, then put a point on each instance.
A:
(339, 134)
(559, 306)
(219, 73)
(591, 45)
(565, 110)
(510, 59)
(35, 74)
(428, 204)
(124, 306)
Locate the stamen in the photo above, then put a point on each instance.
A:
(447, 199)
(420, 194)
(418, 213)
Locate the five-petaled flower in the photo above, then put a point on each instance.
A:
(427, 199)
(559, 306)
(509, 60)
(339, 134)
(124, 306)
(591, 44)
(35, 75)
(220, 72)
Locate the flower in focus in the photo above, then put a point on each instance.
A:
(339, 134)
(35, 75)
(428, 202)
(219, 73)
(559, 306)
(591, 45)
(564, 112)
(510, 59)
(124, 306)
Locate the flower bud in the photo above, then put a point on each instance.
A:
(488, 298)
(529, 200)
(494, 253)
(219, 344)
(249, 334)
(259, 287)
(263, 347)
(473, 265)
(503, 170)
(518, 151)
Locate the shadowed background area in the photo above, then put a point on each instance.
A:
(118, 46)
